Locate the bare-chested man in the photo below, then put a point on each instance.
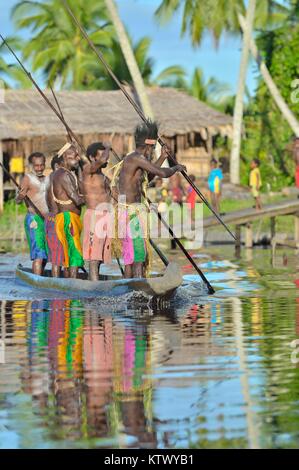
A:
(33, 186)
(67, 196)
(131, 178)
(55, 248)
(96, 190)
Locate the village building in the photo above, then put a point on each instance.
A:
(27, 124)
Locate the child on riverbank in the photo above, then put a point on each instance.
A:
(255, 182)
(214, 182)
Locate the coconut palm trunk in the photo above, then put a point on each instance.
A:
(1, 180)
(273, 90)
(238, 110)
(130, 58)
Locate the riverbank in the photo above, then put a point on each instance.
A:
(13, 238)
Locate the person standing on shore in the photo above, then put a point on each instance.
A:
(191, 198)
(255, 182)
(214, 182)
(33, 186)
(66, 194)
(296, 158)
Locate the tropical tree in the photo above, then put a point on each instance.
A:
(58, 51)
(130, 58)
(218, 16)
(57, 47)
(145, 63)
(238, 110)
(10, 72)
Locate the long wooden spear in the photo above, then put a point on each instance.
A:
(141, 114)
(156, 248)
(60, 116)
(69, 131)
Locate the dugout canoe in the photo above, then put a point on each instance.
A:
(158, 286)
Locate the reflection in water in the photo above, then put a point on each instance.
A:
(214, 372)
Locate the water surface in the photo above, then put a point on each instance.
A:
(200, 372)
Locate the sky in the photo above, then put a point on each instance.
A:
(168, 47)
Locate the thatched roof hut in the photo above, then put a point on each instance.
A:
(27, 124)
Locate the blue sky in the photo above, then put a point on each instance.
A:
(168, 47)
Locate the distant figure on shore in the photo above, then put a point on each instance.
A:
(191, 197)
(255, 182)
(177, 189)
(33, 186)
(296, 158)
(214, 182)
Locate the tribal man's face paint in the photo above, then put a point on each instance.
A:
(38, 166)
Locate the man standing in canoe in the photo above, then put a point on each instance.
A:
(97, 218)
(66, 194)
(135, 169)
(33, 187)
(55, 248)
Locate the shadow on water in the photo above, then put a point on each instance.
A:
(197, 372)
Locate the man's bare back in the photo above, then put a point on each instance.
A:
(132, 175)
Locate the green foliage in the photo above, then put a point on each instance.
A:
(56, 47)
(268, 136)
(218, 16)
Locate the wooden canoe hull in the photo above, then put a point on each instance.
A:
(162, 286)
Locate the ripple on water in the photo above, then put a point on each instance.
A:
(198, 371)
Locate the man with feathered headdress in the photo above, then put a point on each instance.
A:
(135, 169)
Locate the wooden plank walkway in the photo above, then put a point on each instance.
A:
(245, 218)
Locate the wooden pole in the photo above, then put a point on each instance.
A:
(140, 112)
(238, 241)
(272, 227)
(1, 179)
(248, 236)
(297, 230)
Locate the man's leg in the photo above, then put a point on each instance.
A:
(37, 266)
(128, 271)
(138, 269)
(258, 203)
(94, 270)
(218, 203)
(73, 272)
(55, 270)
(66, 272)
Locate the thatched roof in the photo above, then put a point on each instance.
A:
(24, 114)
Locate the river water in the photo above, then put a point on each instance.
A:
(200, 372)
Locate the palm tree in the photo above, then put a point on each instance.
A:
(220, 16)
(274, 91)
(56, 46)
(11, 73)
(238, 110)
(119, 66)
(130, 58)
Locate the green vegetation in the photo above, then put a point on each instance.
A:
(12, 227)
